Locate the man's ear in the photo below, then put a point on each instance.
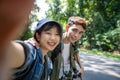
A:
(67, 26)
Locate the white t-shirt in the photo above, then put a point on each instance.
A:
(66, 59)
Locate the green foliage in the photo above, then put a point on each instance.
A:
(28, 34)
(102, 32)
(109, 41)
(114, 37)
(101, 53)
(70, 10)
(54, 9)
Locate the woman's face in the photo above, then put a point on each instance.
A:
(49, 39)
(74, 33)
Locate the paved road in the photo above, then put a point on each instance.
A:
(99, 68)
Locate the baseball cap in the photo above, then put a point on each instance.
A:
(42, 22)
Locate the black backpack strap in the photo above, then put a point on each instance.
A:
(48, 67)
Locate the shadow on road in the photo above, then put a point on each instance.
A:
(99, 68)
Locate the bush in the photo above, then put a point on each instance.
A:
(27, 34)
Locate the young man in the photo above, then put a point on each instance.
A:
(64, 63)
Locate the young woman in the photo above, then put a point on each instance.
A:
(26, 60)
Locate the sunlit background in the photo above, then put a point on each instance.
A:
(41, 14)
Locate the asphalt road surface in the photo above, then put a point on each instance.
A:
(99, 68)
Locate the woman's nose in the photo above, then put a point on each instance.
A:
(53, 37)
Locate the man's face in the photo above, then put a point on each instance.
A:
(74, 33)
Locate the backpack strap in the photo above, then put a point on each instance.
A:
(73, 50)
(48, 67)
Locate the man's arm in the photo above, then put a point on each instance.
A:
(77, 58)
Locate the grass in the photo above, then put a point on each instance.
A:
(106, 54)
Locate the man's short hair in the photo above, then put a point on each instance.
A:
(77, 21)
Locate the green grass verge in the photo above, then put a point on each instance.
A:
(107, 54)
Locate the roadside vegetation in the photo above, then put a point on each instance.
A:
(115, 56)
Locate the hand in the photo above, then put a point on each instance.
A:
(33, 42)
(81, 73)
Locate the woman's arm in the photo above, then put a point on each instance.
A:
(16, 56)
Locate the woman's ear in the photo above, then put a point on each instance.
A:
(37, 36)
(67, 26)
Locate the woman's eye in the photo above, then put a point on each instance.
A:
(48, 33)
(57, 34)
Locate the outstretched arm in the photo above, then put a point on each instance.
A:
(16, 55)
(13, 17)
